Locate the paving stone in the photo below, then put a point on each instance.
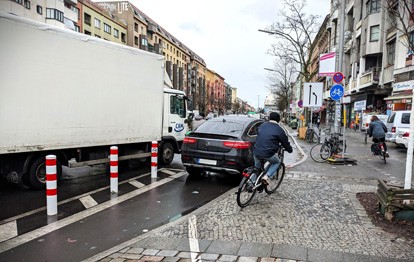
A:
(150, 252)
(228, 258)
(247, 259)
(224, 247)
(255, 250)
(167, 253)
(130, 256)
(151, 258)
(135, 250)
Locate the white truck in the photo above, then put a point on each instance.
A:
(74, 96)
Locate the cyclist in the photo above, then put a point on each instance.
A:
(269, 137)
(377, 130)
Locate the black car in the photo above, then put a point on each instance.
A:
(222, 144)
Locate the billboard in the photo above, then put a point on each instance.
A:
(327, 64)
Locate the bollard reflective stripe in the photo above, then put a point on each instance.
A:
(51, 185)
(113, 163)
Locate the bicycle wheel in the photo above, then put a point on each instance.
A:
(320, 152)
(245, 193)
(276, 180)
(315, 138)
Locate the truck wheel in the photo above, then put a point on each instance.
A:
(167, 153)
(36, 177)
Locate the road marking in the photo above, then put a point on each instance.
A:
(8, 230)
(193, 237)
(168, 172)
(78, 197)
(136, 183)
(19, 240)
(88, 202)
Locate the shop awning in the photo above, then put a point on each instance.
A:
(397, 97)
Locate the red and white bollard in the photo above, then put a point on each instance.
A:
(51, 185)
(113, 160)
(154, 159)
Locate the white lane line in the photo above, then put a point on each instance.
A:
(19, 240)
(168, 172)
(75, 198)
(88, 202)
(8, 230)
(193, 237)
(136, 183)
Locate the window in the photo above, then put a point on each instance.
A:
(87, 18)
(87, 32)
(391, 53)
(27, 4)
(177, 106)
(373, 6)
(136, 42)
(412, 40)
(39, 10)
(98, 36)
(136, 27)
(54, 14)
(116, 33)
(374, 33)
(405, 118)
(123, 37)
(18, 1)
(107, 28)
(144, 42)
(77, 28)
(97, 23)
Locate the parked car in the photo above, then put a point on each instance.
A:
(399, 121)
(402, 138)
(222, 144)
(366, 120)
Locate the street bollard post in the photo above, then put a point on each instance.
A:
(51, 185)
(113, 159)
(154, 159)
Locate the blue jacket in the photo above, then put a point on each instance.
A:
(377, 129)
(269, 135)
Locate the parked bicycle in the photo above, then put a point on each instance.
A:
(252, 181)
(311, 136)
(331, 146)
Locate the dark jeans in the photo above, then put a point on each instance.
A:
(381, 139)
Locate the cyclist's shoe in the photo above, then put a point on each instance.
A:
(260, 189)
(386, 154)
(265, 180)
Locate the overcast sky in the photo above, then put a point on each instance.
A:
(225, 34)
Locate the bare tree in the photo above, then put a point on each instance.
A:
(280, 81)
(401, 15)
(295, 31)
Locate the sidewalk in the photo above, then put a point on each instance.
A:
(311, 217)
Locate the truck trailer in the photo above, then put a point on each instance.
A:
(74, 96)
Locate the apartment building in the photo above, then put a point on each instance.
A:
(216, 92)
(96, 21)
(377, 63)
(185, 68)
(62, 13)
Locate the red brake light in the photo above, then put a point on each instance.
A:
(237, 144)
(189, 140)
(245, 174)
(393, 129)
(406, 134)
(366, 124)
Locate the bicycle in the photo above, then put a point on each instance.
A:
(251, 182)
(331, 146)
(378, 149)
(311, 136)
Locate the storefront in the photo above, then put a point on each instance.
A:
(401, 98)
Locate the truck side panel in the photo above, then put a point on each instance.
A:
(60, 89)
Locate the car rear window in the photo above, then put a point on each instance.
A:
(221, 128)
(391, 119)
(405, 118)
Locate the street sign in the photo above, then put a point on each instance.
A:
(300, 103)
(336, 92)
(338, 77)
(312, 94)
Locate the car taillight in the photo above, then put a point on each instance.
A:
(366, 125)
(189, 140)
(393, 129)
(237, 144)
(406, 134)
(245, 174)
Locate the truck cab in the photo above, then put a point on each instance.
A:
(175, 124)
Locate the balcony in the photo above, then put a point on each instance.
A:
(152, 28)
(71, 2)
(369, 78)
(388, 74)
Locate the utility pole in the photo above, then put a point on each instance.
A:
(340, 60)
